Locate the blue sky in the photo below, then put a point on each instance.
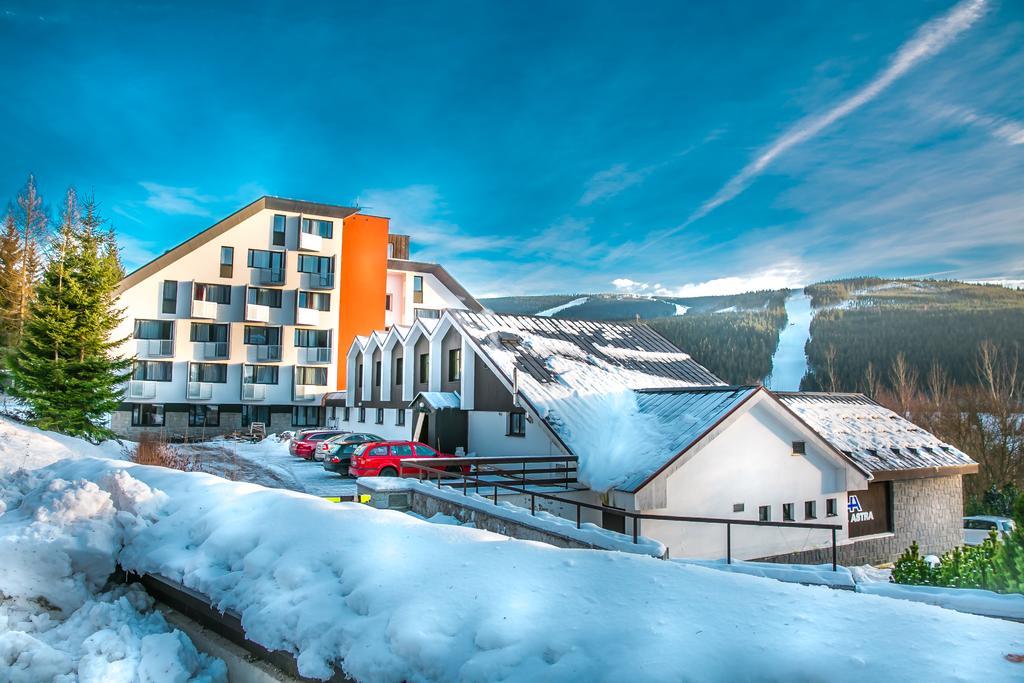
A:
(672, 148)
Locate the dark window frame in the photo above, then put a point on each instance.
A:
(810, 509)
(266, 330)
(282, 233)
(515, 424)
(139, 322)
(138, 413)
(206, 409)
(399, 417)
(417, 289)
(361, 417)
(201, 369)
(227, 266)
(831, 507)
(454, 365)
(399, 371)
(788, 512)
(318, 226)
(169, 305)
(207, 288)
(305, 412)
(251, 373)
(254, 295)
(379, 417)
(423, 374)
(764, 513)
(147, 364)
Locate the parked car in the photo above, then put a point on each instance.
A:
(977, 528)
(383, 458)
(339, 456)
(325, 446)
(304, 443)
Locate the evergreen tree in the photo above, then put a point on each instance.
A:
(31, 222)
(64, 367)
(10, 260)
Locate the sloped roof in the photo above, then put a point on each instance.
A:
(438, 400)
(874, 437)
(445, 278)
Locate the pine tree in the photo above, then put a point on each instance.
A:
(64, 367)
(10, 261)
(31, 222)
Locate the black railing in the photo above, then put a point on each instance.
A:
(518, 480)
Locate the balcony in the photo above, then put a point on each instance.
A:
(268, 276)
(318, 281)
(306, 392)
(254, 392)
(318, 354)
(204, 309)
(199, 391)
(254, 313)
(310, 242)
(213, 350)
(267, 352)
(141, 389)
(155, 348)
(307, 316)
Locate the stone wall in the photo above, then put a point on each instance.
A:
(929, 511)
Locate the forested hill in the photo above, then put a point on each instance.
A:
(628, 307)
(870, 321)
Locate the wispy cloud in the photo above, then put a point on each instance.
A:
(1002, 128)
(177, 200)
(929, 40)
(610, 182)
(136, 252)
(779, 277)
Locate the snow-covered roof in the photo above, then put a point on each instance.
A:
(438, 400)
(874, 437)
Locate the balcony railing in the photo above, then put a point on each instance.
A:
(254, 392)
(319, 280)
(306, 392)
(271, 352)
(307, 316)
(319, 354)
(204, 309)
(268, 276)
(310, 242)
(156, 348)
(255, 313)
(213, 350)
(199, 391)
(141, 389)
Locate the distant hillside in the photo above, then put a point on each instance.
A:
(871, 320)
(628, 306)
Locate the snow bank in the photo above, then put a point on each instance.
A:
(59, 540)
(395, 598)
(809, 574)
(26, 447)
(969, 600)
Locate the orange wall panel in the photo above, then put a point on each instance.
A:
(362, 282)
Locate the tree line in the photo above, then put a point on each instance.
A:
(58, 302)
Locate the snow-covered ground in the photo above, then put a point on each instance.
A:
(789, 363)
(547, 313)
(26, 447)
(390, 597)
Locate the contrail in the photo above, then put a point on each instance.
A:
(929, 40)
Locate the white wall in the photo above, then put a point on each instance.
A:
(751, 462)
(487, 437)
(388, 430)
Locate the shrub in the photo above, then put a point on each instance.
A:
(965, 567)
(154, 450)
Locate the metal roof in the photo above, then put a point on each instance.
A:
(873, 436)
(438, 400)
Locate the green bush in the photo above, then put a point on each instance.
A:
(965, 567)
(995, 501)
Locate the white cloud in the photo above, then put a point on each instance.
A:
(627, 285)
(177, 200)
(781, 277)
(929, 40)
(610, 182)
(135, 252)
(1008, 130)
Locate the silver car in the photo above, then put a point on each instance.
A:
(977, 528)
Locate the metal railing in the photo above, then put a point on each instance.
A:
(214, 350)
(254, 392)
(141, 389)
(318, 354)
(268, 276)
(519, 481)
(320, 280)
(268, 352)
(156, 348)
(199, 391)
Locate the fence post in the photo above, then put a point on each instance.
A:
(833, 549)
(495, 494)
(533, 500)
(728, 543)
(577, 515)
(636, 529)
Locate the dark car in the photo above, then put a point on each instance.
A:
(339, 457)
(304, 443)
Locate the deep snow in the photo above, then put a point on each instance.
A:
(394, 598)
(548, 312)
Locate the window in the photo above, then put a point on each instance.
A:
(799, 448)
(259, 374)
(154, 329)
(208, 332)
(346, 414)
(830, 508)
(454, 365)
(305, 416)
(400, 417)
(764, 513)
(147, 415)
(315, 264)
(425, 451)
(424, 368)
(252, 414)
(417, 289)
(379, 419)
(811, 509)
(280, 226)
(216, 373)
(516, 424)
(170, 297)
(311, 376)
(429, 313)
(378, 450)
(312, 339)
(153, 370)
(362, 415)
(402, 451)
(265, 297)
(262, 336)
(399, 367)
(376, 373)
(359, 375)
(227, 261)
(203, 416)
(387, 302)
(318, 227)
(738, 507)
(787, 512)
(220, 294)
(320, 301)
(269, 260)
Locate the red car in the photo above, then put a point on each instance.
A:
(304, 443)
(383, 458)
